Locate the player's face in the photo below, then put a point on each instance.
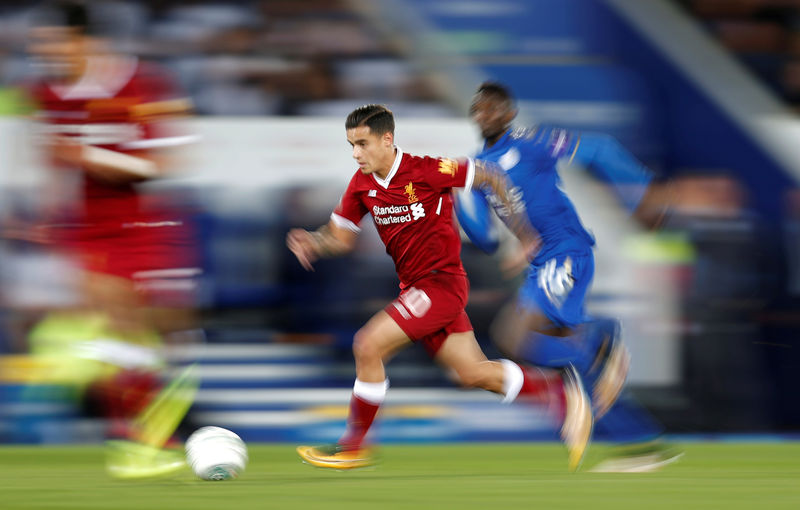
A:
(58, 51)
(492, 115)
(373, 153)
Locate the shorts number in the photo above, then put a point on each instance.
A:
(416, 301)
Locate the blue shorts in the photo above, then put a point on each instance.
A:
(558, 287)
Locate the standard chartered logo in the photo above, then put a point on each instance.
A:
(395, 214)
(417, 210)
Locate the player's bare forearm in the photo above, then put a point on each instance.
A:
(103, 164)
(332, 241)
(656, 204)
(326, 241)
(117, 167)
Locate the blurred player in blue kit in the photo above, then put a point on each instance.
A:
(547, 325)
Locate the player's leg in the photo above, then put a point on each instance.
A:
(373, 345)
(596, 347)
(144, 455)
(461, 353)
(547, 326)
(562, 391)
(541, 325)
(117, 298)
(114, 288)
(611, 362)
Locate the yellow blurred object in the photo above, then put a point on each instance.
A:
(158, 421)
(14, 101)
(660, 248)
(128, 460)
(77, 348)
(408, 411)
(40, 369)
(334, 458)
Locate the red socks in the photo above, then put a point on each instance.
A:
(364, 404)
(532, 384)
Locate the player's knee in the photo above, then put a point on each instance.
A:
(365, 347)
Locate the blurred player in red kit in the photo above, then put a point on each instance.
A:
(102, 118)
(410, 203)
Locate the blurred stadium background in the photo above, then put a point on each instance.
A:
(703, 91)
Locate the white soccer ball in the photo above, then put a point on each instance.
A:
(215, 453)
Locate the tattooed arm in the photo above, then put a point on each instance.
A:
(329, 240)
(514, 215)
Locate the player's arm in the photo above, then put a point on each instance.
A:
(608, 160)
(634, 184)
(330, 240)
(489, 175)
(105, 164)
(128, 166)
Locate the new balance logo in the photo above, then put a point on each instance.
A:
(372, 193)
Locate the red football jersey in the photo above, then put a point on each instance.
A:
(412, 211)
(109, 107)
(119, 104)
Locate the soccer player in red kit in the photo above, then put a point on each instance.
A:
(410, 203)
(101, 116)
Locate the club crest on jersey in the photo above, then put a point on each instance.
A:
(448, 166)
(412, 195)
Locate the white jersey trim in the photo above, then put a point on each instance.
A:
(154, 143)
(104, 77)
(470, 174)
(344, 223)
(384, 183)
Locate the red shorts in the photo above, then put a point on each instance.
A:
(432, 309)
(150, 250)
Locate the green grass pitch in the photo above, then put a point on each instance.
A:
(725, 476)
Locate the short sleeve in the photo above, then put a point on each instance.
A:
(350, 210)
(443, 173)
(159, 102)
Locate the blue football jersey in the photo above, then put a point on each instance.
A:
(529, 157)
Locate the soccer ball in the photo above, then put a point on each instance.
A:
(215, 453)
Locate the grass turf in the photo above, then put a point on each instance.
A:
(486, 476)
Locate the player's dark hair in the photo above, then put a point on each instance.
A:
(68, 13)
(497, 90)
(376, 117)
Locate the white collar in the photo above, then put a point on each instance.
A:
(397, 158)
(104, 77)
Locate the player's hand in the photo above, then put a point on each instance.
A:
(520, 258)
(655, 205)
(301, 242)
(66, 150)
